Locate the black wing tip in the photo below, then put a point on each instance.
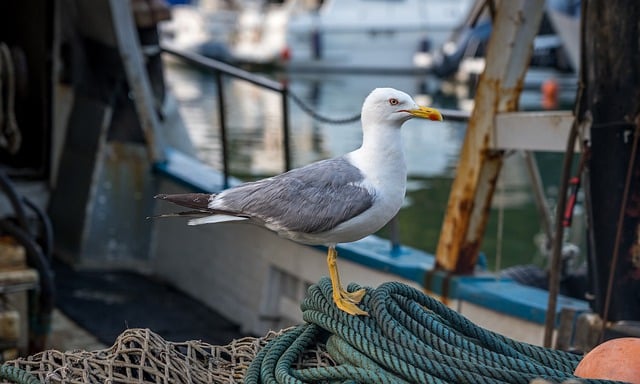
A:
(194, 213)
(199, 201)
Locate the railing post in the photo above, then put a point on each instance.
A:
(394, 235)
(223, 130)
(285, 127)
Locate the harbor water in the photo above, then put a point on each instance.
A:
(514, 235)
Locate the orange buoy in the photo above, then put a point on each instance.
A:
(550, 90)
(616, 359)
(285, 55)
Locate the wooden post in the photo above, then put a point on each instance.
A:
(508, 56)
(612, 96)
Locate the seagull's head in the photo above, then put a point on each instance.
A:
(392, 107)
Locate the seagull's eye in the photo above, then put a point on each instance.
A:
(394, 101)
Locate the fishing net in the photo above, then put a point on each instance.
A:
(142, 356)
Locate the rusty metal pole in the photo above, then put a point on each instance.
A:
(508, 55)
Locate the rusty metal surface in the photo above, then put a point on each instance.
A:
(116, 233)
(508, 55)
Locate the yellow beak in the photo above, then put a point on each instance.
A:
(426, 113)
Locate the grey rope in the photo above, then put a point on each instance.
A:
(448, 114)
(311, 112)
(408, 337)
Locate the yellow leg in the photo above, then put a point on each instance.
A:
(346, 301)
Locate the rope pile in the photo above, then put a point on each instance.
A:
(408, 337)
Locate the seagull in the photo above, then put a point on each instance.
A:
(332, 201)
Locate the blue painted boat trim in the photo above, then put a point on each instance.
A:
(501, 295)
(190, 172)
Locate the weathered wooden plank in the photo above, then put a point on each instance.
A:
(532, 131)
(12, 256)
(508, 56)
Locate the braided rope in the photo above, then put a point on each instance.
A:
(408, 337)
(17, 375)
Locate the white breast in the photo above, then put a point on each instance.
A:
(385, 177)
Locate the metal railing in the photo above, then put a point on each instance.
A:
(218, 69)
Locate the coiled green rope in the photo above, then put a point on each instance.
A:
(408, 337)
(17, 375)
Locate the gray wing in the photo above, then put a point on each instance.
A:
(311, 199)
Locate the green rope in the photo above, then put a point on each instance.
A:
(17, 375)
(408, 337)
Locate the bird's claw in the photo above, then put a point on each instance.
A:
(354, 297)
(347, 301)
(350, 308)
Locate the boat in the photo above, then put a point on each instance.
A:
(552, 70)
(108, 156)
(462, 55)
(205, 27)
(251, 34)
(348, 35)
(260, 33)
(295, 35)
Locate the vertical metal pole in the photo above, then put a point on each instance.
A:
(223, 130)
(538, 194)
(285, 128)
(394, 235)
(556, 246)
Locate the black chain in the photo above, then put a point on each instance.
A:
(306, 108)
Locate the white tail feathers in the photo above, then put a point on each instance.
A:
(215, 219)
